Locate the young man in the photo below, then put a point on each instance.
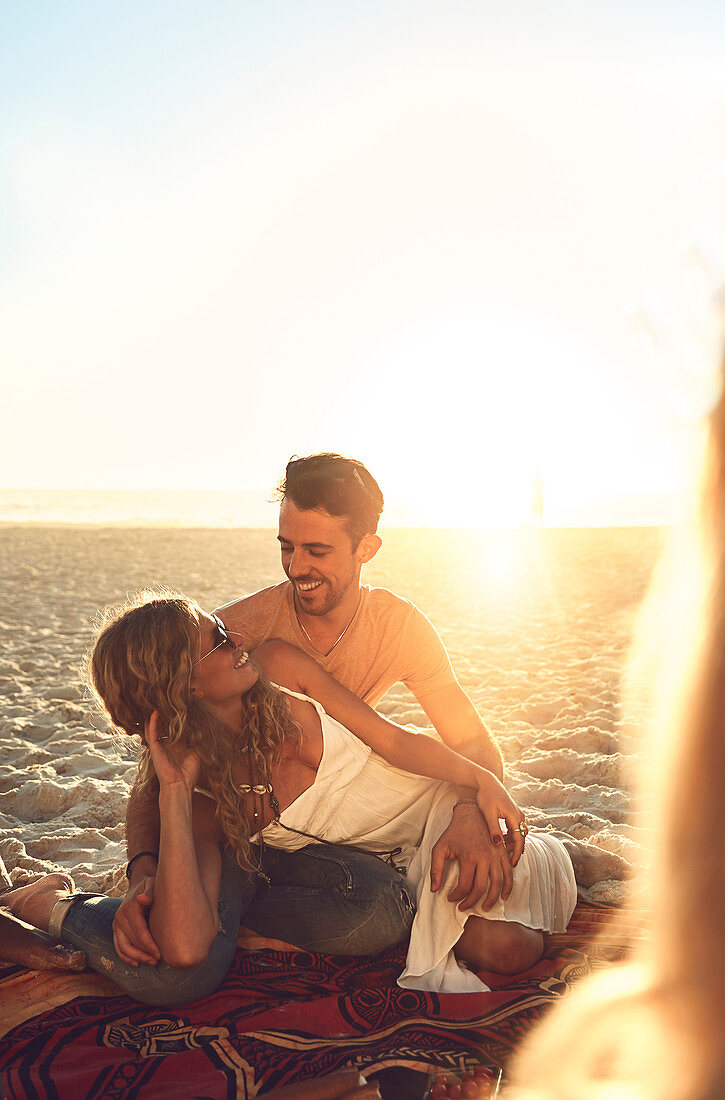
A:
(368, 639)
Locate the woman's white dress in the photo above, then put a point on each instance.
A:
(358, 798)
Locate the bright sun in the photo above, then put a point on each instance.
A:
(500, 398)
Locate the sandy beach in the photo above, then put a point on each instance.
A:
(538, 625)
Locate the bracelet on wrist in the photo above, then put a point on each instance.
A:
(133, 859)
(465, 802)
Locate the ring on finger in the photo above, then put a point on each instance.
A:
(522, 828)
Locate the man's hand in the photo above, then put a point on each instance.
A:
(131, 935)
(484, 868)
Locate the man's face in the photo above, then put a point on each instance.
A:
(318, 557)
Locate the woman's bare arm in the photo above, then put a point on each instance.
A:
(410, 751)
(183, 917)
(131, 934)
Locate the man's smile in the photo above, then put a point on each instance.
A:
(308, 586)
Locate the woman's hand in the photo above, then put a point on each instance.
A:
(495, 803)
(172, 765)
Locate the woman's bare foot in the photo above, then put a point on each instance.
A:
(34, 903)
(19, 943)
(23, 931)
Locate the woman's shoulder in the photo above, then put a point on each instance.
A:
(306, 713)
(279, 661)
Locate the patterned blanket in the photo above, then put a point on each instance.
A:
(281, 1017)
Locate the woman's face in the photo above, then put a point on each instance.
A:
(222, 671)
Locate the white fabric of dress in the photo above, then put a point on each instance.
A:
(358, 798)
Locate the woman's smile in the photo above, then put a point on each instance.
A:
(222, 670)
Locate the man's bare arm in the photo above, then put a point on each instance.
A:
(462, 728)
(484, 868)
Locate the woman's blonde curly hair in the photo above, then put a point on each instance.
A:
(142, 661)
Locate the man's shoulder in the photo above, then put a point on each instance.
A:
(403, 641)
(385, 606)
(383, 600)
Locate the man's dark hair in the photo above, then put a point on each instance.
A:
(340, 485)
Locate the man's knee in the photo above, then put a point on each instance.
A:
(334, 900)
(377, 921)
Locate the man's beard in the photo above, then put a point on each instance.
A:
(329, 599)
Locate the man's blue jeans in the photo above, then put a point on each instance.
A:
(322, 898)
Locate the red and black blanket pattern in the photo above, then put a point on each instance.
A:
(282, 1017)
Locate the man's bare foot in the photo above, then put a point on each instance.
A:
(19, 943)
(592, 864)
(34, 903)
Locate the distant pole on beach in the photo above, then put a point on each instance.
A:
(537, 500)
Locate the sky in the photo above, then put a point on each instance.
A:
(464, 242)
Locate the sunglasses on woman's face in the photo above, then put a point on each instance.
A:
(221, 637)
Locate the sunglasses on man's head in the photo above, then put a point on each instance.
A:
(221, 637)
(335, 467)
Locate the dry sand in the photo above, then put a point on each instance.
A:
(538, 624)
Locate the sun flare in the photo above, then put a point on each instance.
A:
(516, 402)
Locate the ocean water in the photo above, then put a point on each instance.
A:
(255, 508)
(139, 508)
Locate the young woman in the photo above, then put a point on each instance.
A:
(652, 1029)
(243, 768)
